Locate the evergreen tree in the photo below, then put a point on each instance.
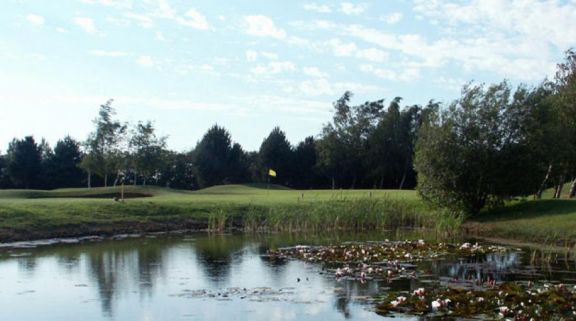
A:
(24, 164)
(276, 153)
(217, 161)
(62, 166)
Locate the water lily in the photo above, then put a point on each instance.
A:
(504, 309)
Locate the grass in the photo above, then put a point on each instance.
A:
(255, 208)
(546, 221)
(74, 212)
(543, 221)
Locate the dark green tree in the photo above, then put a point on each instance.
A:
(62, 166)
(276, 153)
(217, 161)
(5, 181)
(305, 167)
(177, 171)
(479, 151)
(24, 163)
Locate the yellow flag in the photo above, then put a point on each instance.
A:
(272, 172)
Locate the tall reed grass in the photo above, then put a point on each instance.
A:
(337, 214)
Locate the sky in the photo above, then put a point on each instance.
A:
(251, 65)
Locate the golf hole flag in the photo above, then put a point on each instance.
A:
(271, 172)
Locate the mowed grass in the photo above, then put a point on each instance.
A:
(540, 221)
(74, 212)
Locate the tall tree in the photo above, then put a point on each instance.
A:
(62, 167)
(104, 147)
(178, 171)
(24, 163)
(565, 82)
(4, 178)
(479, 150)
(148, 151)
(343, 142)
(304, 169)
(276, 153)
(216, 160)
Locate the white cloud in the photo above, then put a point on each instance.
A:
(317, 87)
(340, 48)
(350, 49)
(160, 36)
(320, 8)
(87, 24)
(191, 68)
(352, 9)
(106, 53)
(274, 67)
(35, 19)
(392, 18)
(372, 54)
(143, 20)
(314, 72)
(406, 74)
(262, 26)
(145, 61)
(120, 4)
(323, 87)
(252, 55)
(194, 19)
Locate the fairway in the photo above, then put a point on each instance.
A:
(239, 194)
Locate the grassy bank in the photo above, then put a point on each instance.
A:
(545, 221)
(75, 212)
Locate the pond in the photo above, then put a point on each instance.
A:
(222, 277)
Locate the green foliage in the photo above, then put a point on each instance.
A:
(104, 145)
(276, 153)
(24, 163)
(62, 169)
(148, 152)
(217, 161)
(482, 149)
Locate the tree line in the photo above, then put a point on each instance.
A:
(364, 146)
(492, 143)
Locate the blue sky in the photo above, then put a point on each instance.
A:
(250, 65)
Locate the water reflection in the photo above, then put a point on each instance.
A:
(122, 280)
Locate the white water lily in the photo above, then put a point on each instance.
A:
(503, 309)
(436, 304)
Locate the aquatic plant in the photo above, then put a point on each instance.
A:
(385, 260)
(510, 301)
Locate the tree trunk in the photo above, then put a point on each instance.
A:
(105, 179)
(381, 182)
(559, 187)
(403, 179)
(333, 183)
(544, 182)
(89, 179)
(572, 189)
(135, 178)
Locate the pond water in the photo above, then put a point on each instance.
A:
(218, 277)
